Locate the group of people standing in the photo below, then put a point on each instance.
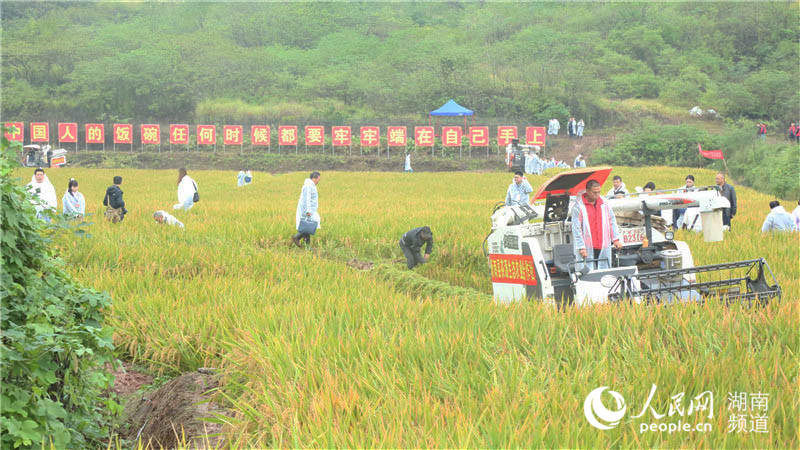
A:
(574, 129)
(74, 204)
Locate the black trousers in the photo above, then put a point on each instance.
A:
(303, 237)
(413, 258)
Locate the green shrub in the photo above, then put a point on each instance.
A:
(657, 145)
(54, 345)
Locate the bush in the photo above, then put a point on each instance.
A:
(657, 145)
(54, 345)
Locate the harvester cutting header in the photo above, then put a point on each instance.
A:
(532, 253)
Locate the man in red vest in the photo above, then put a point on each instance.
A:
(594, 227)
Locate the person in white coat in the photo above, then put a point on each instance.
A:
(244, 178)
(44, 194)
(407, 165)
(307, 207)
(186, 190)
(73, 203)
(164, 217)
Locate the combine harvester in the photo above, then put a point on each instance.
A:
(531, 253)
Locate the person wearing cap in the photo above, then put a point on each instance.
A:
(411, 243)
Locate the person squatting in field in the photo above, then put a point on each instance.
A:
(44, 194)
(163, 217)
(411, 243)
(594, 227)
(307, 207)
(73, 201)
(115, 205)
(186, 191)
(777, 219)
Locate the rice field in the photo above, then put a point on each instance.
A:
(315, 353)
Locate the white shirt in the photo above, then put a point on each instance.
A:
(46, 194)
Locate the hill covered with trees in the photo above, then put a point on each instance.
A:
(376, 62)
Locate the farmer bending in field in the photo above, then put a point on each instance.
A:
(163, 217)
(411, 243)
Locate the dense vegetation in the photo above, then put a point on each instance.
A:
(372, 62)
(54, 345)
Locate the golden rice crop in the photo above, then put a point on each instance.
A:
(315, 353)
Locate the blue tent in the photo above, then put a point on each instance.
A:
(451, 108)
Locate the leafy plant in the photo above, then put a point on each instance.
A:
(54, 345)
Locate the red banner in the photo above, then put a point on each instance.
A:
(515, 269)
(206, 134)
(710, 154)
(423, 136)
(68, 132)
(535, 136)
(287, 135)
(40, 132)
(232, 135)
(179, 134)
(341, 136)
(479, 136)
(396, 136)
(370, 136)
(95, 133)
(505, 133)
(259, 135)
(151, 134)
(123, 133)
(451, 136)
(315, 135)
(15, 131)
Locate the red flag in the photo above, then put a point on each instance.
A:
(710, 154)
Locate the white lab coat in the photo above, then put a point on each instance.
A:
(308, 204)
(186, 189)
(46, 198)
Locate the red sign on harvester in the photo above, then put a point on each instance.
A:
(515, 269)
(68, 132)
(535, 136)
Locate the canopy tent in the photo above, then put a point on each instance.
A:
(451, 109)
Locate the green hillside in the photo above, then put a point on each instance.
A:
(377, 62)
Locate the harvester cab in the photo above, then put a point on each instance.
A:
(531, 253)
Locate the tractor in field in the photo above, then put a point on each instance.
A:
(34, 155)
(531, 255)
